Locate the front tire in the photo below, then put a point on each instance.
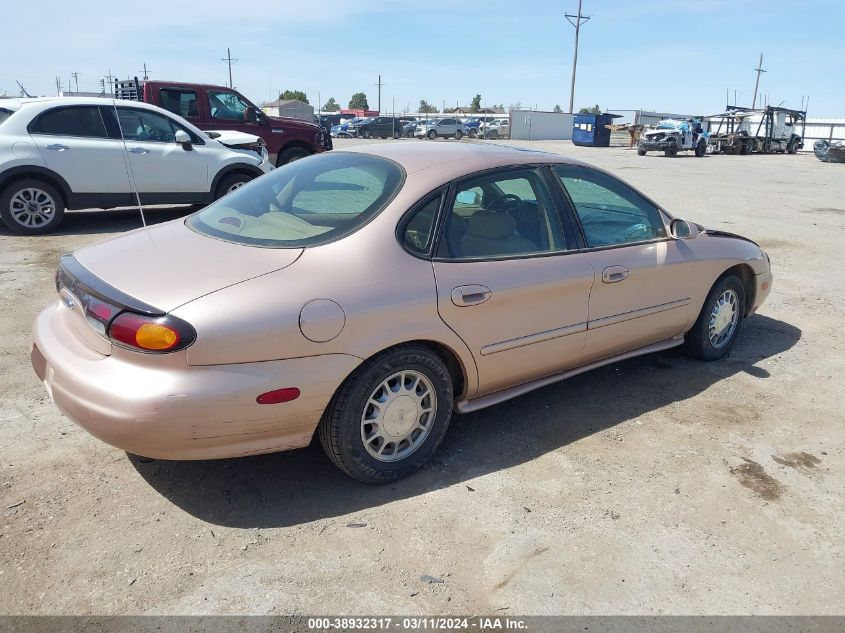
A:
(291, 154)
(641, 151)
(718, 324)
(671, 151)
(230, 183)
(432, 134)
(458, 135)
(701, 148)
(31, 207)
(389, 416)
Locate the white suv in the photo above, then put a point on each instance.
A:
(79, 153)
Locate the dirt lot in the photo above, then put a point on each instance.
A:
(661, 485)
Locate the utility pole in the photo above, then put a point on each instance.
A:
(111, 82)
(759, 70)
(58, 85)
(228, 59)
(76, 79)
(379, 84)
(579, 20)
(145, 71)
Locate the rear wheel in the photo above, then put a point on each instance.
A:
(230, 183)
(717, 326)
(388, 418)
(459, 134)
(671, 150)
(31, 207)
(432, 134)
(366, 134)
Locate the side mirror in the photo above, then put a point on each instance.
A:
(468, 197)
(183, 138)
(250, 115)
(683, 230)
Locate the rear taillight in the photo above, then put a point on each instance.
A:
(150, 333)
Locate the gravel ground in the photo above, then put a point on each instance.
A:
(659, 485)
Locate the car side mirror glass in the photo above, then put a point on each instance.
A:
(182, 137)
(683, 230)
(467, 197)
(250, 115)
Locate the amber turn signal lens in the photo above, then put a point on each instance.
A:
(156, 336)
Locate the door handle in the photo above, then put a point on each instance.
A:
(57, 147)
(614, 274)
(138, 150)
(472, 295)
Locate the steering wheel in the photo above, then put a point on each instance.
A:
(637, 232)
(508, 203)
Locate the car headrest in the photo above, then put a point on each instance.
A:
(491, 225)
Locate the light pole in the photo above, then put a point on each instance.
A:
(579, 20)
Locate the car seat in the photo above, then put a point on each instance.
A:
(192, 109)
(490, 233)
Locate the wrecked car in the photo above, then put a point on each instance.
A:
(672, 136)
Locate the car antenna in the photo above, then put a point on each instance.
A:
(128, 164)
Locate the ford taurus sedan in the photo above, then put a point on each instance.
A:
(365, 295)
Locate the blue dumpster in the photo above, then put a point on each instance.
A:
(590, 130)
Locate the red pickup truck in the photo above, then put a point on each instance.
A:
(220, 108)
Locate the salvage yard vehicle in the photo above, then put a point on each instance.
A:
(671, 136)
(365, 295)
(440, 128)
(495, 128)
(768, 130)
(210, 107)
(78, 153)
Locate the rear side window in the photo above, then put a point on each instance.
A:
(84, 121)
(304, 203)
(179, 101)
(419, 229)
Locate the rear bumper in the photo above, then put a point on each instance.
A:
(159, 406)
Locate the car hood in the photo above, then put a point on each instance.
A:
(290, 121)
(168, 265)
(233, 138)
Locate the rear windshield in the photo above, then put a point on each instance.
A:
(304, 203)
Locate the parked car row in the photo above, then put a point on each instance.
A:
(409, 127)
(78, 153)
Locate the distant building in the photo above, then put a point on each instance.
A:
(290, 108)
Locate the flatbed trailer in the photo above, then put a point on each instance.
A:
(766, 130)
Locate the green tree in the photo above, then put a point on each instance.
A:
(359, 102)
(426, 107)
(290, 95)
(475, 106)
(331, 105)
(594, 110)
(557, 108)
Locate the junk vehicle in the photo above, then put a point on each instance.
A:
(769, 130)
(219, 108)
(672, 136)
(830, 151)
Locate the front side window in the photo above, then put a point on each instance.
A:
(501, 215)
(144, 125)
(226, 105)
(179, 101)
(610, 212)
(83, 121)
(304, 203)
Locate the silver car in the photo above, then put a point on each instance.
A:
(445, 128)
(497, 128)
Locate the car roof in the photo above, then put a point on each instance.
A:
(472, 155)
(93, 101)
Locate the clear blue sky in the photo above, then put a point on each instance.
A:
(670, 55)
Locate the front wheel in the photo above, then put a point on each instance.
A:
(717, 326)
(792, 148)
(459, 134)
(641, 151)
(432, 134)
(388, 418)
(31, 207)
(671, 150)
(366, 134)
(701, 148)
(230, 183)
(291, 154)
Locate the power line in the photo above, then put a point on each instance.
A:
(759, 70)
(579, 20)
(229, 60)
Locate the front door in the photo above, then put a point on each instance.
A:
(640, 295)
(507, 283)
(159, 164)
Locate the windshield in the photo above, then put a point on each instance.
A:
(304, 203)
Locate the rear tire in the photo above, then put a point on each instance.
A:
(363, 439)
(719, 322)
(31, 207)
(641, 150)
(432, 134)
(458, 135)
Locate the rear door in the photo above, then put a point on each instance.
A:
(507, 281)
(642, 293)
(75, 143)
